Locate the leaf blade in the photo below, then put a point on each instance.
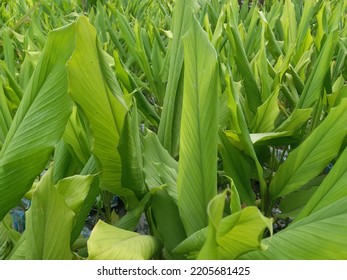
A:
(197, 178)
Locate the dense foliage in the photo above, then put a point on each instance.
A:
(224, 124)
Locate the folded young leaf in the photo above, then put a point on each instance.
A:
(209, 250)
(110, 243)
(49, 223)
(74, 190)
(235, 235)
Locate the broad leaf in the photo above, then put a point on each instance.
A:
(295, 121)
(39, 122)
(310, 158)
(65, 164)
(19, 251)
(240, 138)
(95, 91)
(197, 174)
(332, 189)
(293, 203)
(303, 28)
(321, 235)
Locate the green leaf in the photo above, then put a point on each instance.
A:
(289, 24)
(235, 204)
(332, 189)
(167, 220)
(8, 51)
(130, 220)
(39, 122)
(320, 236)
(77, 139)
(310, 158)
(95, 91)
(125, 77)
(130, 151)
(242, 232)
(168, 131)
(314, 85)
(261, 63)
(48, 223)
(252, 92)
(293, 203)
(19, 251)
(237, 165)
(240, 138)
(264, 120)
(304, 26)
(197, 174)
(8, 237)
(110, 243)
(273, 138)
(236, 235)
(65, 164)
(5, 116)
(75, 189)
(89, 200)
(158, 164)
(296, 120)
(209, 250)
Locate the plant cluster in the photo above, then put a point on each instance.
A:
(222, 123)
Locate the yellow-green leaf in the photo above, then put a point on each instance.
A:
(110, 243)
